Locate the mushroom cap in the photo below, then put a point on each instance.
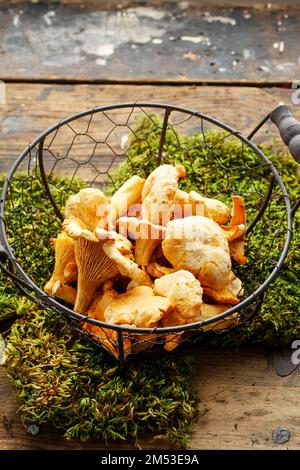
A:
(196, 204)
(198, 244)
(236, 286)
(232, 232)
(91, 206)
(76, 228)
(139, 306)
(159, 192)
(221, 296)
(184, 291)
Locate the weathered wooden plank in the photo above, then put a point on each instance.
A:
(154, 41)
(31, 108)
(246, 401)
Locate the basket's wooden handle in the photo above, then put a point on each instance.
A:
(289, 129)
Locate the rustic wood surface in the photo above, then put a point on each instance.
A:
(32, 108)
(246, 402)
(177, 41)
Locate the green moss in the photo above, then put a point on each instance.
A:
(64, 380)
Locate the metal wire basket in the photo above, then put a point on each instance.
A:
(90, 145)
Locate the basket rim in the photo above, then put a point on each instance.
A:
(257, 294)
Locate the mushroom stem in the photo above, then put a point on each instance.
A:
(94, 267)
(126, 266)
(147, 235)
(127, 195)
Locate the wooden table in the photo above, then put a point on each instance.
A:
(56, 60)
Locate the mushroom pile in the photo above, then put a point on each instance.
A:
(150, 256)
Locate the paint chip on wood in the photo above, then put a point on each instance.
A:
(220, 19)
(194, 39)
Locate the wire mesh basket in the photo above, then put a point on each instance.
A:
(89, 148)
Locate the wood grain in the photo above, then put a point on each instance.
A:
(32, 108)
(246, 401)
(148, 42)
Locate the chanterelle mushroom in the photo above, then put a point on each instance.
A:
(146, 234)
(125, 266)
(91, 206)
(122, 243)
(94, 267)
(156, 270)
(76, 228)
(64, 255)
(127, 195)
(217, 210)
(106, 296)
(194, 203)
(64, 292)
(106, 336)
(238, 217)
(198, 244)
(159, 193)
(227, 295)
(184, 291)
(139, 306)
(211, 310)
